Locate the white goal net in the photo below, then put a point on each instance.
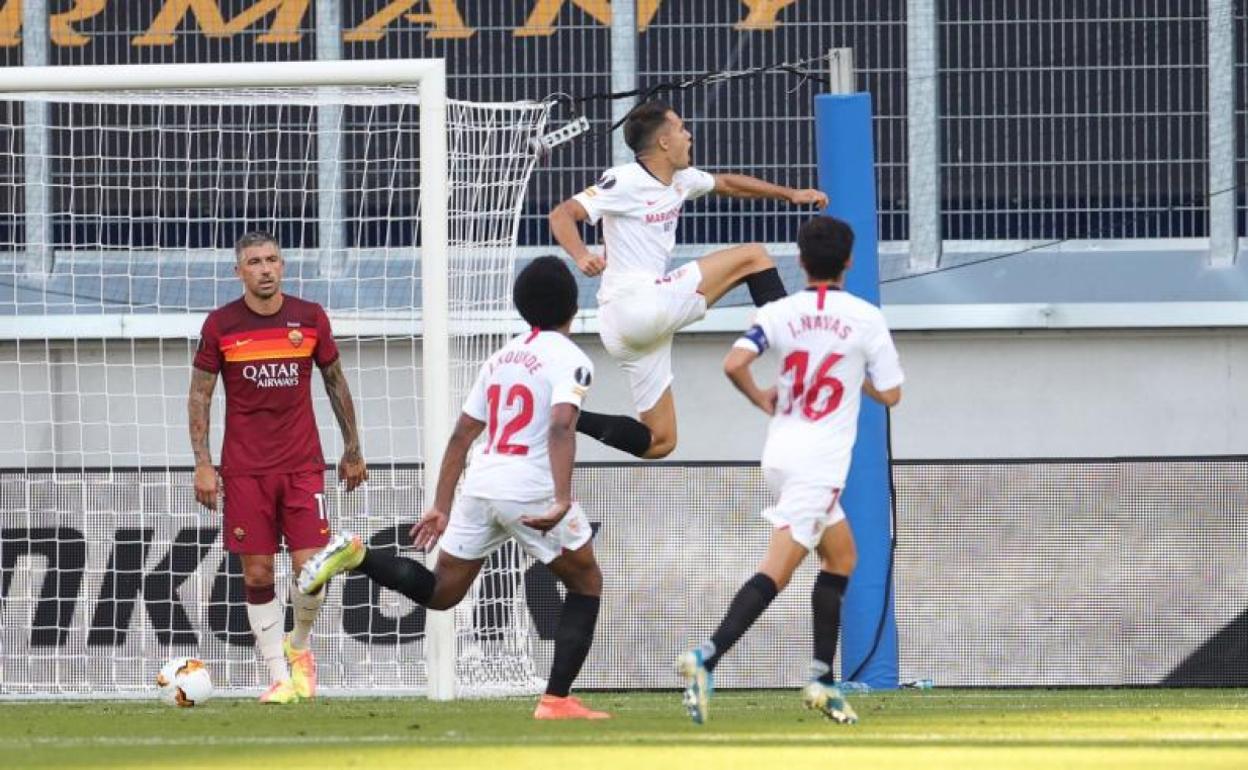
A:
(118, 213)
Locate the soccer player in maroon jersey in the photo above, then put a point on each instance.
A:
(263, 345)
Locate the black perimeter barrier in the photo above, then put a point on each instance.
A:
(1008, 573)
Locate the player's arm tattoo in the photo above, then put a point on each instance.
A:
(199, 410)
(344, 410)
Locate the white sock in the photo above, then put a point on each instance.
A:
(306, 609)
(267, 625)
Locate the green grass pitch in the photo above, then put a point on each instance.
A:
(930, 730)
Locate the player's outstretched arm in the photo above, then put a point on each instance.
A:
(199, 411)
(889, 398)
(743, 186)
(737, 367)
(425, 533)
(565, 225)
(561, 446)
(351, 468)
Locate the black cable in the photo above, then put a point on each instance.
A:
(892, 550)
(798, 69)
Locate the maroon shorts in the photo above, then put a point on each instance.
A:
(262, 510)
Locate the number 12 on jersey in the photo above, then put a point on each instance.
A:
(818, 398)
(520, 398)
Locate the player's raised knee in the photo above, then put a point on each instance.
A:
(661, 445)
(750, 258)
(756, 257)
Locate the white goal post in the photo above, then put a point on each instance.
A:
(96, 290)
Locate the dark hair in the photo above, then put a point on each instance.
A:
(545, 293)
(644, 123)
(824, 244)
(254, 238)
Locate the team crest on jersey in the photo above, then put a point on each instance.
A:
(582, 377)
(606, 182)
(239, 534)
(296, 337)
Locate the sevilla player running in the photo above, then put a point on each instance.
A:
(519, 485)
(832, 348)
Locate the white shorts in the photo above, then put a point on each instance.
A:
(637, 325)
(479, 526)
(806, 507)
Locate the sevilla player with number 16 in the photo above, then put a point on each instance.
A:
(833, 347)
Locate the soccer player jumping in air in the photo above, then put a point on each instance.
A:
(263, 345)
(833, 347)
(519, 485)
(641, 304)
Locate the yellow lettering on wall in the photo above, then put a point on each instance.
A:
(11, 24)
(646, 9)
(443, 16)
(763, 13)
(60, 25)
(284, 29)
(542, 18)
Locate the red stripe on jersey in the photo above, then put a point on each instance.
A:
(532, 335)
(268, 344)
(258, 354)
(272, 333)
(823, 293)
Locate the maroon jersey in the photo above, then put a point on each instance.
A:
(266, 363)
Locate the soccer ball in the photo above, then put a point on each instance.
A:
(184, 682)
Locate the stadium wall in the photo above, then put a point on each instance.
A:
(1095, 572)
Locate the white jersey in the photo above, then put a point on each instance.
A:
(513, 395)
(639, 216)
(829, 341)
